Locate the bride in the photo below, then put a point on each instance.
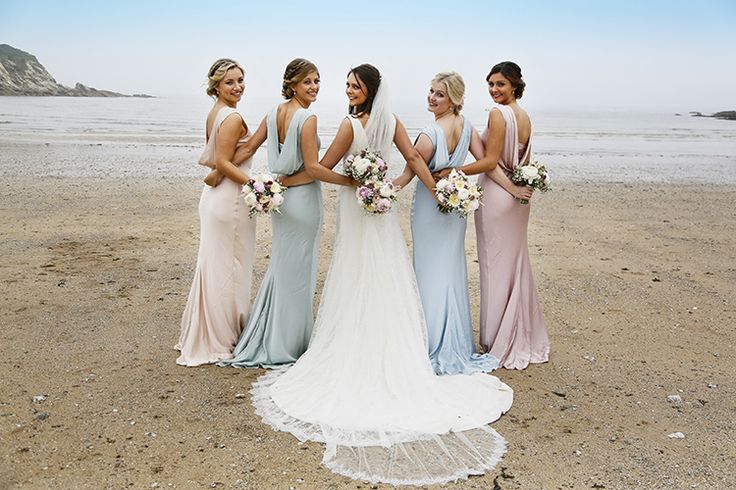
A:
(365, 387)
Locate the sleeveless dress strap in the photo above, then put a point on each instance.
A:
(355, 123)
(440, 157)
(509, 159)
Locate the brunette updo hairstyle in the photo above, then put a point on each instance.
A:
(295, 72)
(217, 73)
(371, 78)
(512, 72)
(455, 88)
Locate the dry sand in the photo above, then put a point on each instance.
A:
(637, 285)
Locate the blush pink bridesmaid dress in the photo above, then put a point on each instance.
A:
(511, 324)
(218, 303)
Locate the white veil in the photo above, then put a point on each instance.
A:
(381, 124)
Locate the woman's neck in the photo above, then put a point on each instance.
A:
(449, 112)
(300, 103)
(221, 103)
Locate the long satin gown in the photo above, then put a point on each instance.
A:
(441, 268)
(217, 306)
(511, 324)
(281, 320)
(365, 386)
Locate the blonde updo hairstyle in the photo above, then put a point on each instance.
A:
(455, 87)
(295, 72)
(217, 73)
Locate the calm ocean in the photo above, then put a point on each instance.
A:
(575, 146)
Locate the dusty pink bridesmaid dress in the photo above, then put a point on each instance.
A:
(217, 307)
(511, 324)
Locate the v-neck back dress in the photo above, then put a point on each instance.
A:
(281, 319)
(511, 324)
(441, 267)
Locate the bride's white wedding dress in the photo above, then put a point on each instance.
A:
(365, 387)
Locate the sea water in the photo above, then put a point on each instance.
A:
(164, 136)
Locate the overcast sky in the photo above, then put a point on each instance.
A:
(621, 54)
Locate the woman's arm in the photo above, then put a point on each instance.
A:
(247, 150)
(425, 148)
(229, 133)
(518, 191)
(242, 153)
(322, 170)
(477, 148)
(213, 178)
(412, 156)
(403, 180)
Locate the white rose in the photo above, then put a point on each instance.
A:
(251, 199)
(275, 187)
(362, 165)
(463, 194)
(442, 184)
(386, 191)
(473, 205)
(530, 172)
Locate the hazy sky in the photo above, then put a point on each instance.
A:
(617, 54)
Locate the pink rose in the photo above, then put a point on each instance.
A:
(364, 192)
(277, 199)
(383, 205)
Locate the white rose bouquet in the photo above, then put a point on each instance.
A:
(456, 193)
(376, 195)
(365, 166)
(263, 194)
(533, 175)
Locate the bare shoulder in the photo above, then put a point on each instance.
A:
(495, 117)
(345, 125)
(234, 123)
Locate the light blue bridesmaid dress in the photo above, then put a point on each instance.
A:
(441, 269)
(281, 320)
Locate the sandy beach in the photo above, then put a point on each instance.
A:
(637, 283)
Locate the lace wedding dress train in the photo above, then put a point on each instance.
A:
(365, 387)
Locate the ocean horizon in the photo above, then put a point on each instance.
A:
(576, 145)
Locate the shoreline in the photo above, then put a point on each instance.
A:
(636, 283)
(105, 156)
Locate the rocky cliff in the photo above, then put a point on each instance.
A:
(22, 74)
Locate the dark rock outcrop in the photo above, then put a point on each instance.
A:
(22, 74)
(728, 115)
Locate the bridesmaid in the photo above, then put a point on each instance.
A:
(511, 323)
(439, 239)
(217, 306)
(281, 320)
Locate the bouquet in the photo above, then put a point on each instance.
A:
(456, 193)
(364, 166)
(376, 195)
(533, 175)
(263, 194)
